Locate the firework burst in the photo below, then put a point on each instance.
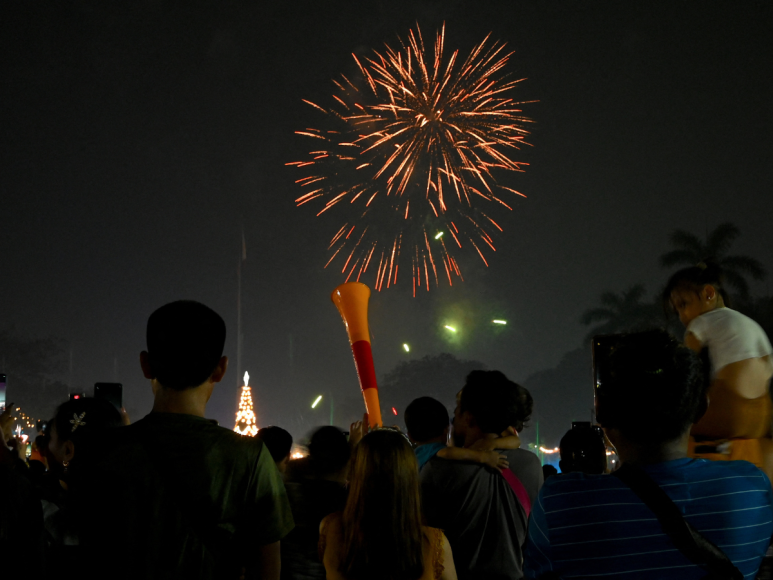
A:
(409, 160)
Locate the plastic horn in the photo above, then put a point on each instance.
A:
(351, 299)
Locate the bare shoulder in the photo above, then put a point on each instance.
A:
(430, 532)
(446, 545)
(523, 457)
(447, 571)
(329, 543)
(330, 524)
(436, 539)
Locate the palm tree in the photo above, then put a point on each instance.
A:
(623, 312)
(690, 249)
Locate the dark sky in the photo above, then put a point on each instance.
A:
(138, 138)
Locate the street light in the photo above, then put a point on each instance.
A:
(407, 348)
(439, 235)
(499, 321)
(316, 401)
(451, 328)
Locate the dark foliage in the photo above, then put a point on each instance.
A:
(439, 376)
(689, 249)
(35, 368)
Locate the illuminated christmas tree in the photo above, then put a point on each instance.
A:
(245, 416)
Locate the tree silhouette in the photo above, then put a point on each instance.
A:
(689, 249)
(439, 376)
(561, 395)
(622, 312)
(35, 367)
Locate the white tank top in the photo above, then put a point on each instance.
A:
(730, 337)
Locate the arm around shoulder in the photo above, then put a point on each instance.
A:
(490, 458)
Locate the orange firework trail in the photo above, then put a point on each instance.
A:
(417, 142)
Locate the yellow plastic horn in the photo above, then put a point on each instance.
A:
(351, 300)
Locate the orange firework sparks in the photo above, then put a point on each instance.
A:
(415, 127)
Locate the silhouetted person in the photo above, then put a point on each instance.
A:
(21, 517)
(596, 526)
(197, 500)
(316, 486)
(483, 512)
(279, 443)
(78, 424)
(428, 426)
(582, 449)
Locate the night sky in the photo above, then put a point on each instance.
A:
(140, 138)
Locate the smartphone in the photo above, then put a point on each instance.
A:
(110, 392)
(76, 396)
(603, 347)
(2, 392)
(588, 426)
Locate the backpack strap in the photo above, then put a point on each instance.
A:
(686, 538)
(518, 489)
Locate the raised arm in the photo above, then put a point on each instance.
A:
(507, 440)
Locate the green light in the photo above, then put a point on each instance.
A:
(407, 348)
(439, 235)
(499, 321)
(451, 328)
(318, 399)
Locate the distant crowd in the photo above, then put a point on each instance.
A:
(174, 495)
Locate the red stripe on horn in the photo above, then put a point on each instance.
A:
(363, 360)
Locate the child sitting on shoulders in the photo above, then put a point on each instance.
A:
(737, 424)
(429, 425)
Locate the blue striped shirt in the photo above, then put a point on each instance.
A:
(594, 526)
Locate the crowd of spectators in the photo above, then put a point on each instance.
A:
(174, 495)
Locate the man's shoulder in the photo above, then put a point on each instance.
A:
(184, 430)
(690, 473)
(522, 457)
(569, 483)
(725, 474)
(562, 495)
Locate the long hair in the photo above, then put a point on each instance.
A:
(382, 518)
